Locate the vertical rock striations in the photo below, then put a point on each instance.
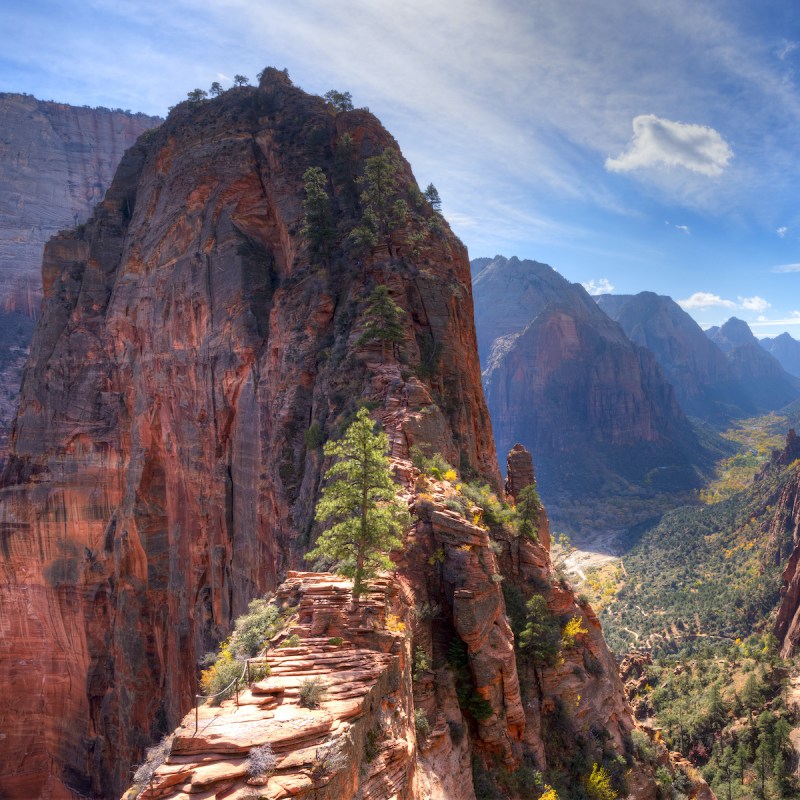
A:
(165, 456)
(57, 161)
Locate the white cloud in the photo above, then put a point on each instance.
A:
(754, 303)
(782, 231)
(794, 319)
(662, 142)
(683, 229)
(787, 268)
(787, 47)
(602, 286)
(705, 300)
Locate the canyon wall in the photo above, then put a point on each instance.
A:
(564, 380)
(56, 161)
(162, 472)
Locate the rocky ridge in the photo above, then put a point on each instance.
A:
(786, 349)
(377, 684)
(695, 366)
(763, 380)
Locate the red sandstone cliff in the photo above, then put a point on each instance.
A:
(160, 475)
(165, 462)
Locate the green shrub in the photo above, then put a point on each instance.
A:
(314, 437)
(421, 662)
(312, 693)
(642, 746)
(421, 724)
(293, 641)
(217, 682)
(371, 746)
(457, 731)
(253, 629)
(496, 513)
(336, 640)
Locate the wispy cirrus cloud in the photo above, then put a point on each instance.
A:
(787, 268)
(661, 142)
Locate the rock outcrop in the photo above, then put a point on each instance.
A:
(165, 457)
(57, 161)
(433, 644)
(565, 380)
(360, 741)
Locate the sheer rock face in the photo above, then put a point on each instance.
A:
(695, 366)
(787, 518)
(565, 380)
(761, 377)
(57, 161)
(786, 349)
(160, 474)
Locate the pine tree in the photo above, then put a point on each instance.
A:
(341, 101)
(216, 89)
(432, 196)
(382, 320)
(318, 225)
(359, 503)
(528, 507)
(384, 211)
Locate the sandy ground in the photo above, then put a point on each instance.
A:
(597, 550)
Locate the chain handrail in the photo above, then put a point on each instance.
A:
(235, 681)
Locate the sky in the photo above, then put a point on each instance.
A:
(632, 145)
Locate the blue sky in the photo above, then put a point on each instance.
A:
(635, 145)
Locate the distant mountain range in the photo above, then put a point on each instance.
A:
(601, 389)
(561, 377)
(718, 375)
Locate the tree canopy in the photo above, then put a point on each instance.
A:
(384, 210)
(318, 225)
(341, 101)
(359, 505)
(382, 320)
